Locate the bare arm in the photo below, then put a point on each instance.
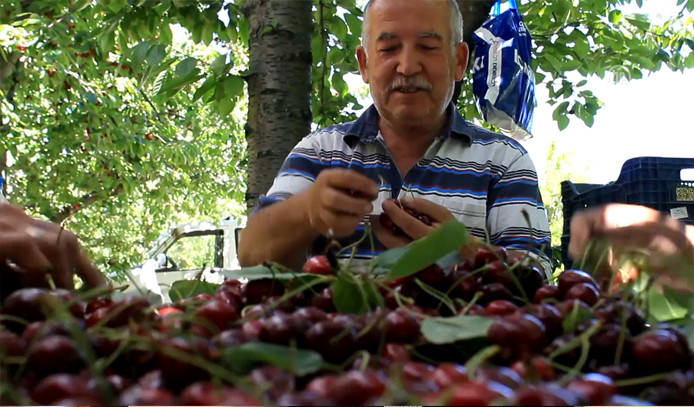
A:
(277, 233)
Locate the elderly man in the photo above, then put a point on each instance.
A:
(411, 144)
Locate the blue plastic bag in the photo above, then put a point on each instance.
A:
(503, 79)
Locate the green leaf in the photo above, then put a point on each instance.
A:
(233, 86)
(666, 303)
(217, 66)
(354, 23)
(224, 106)
(186, 67)
(421, 253)
(139, 53)
(208, 85)
(174, 84)
(387, 259)
(190, 288)
(563, 122)
(156, 54)
(688, 331)
(639, 22)
(317, 48)
(689, 60)
(245, 357)
(349, 295)
(615, 16)
(439, 330)
(259, 272)
(560, 110)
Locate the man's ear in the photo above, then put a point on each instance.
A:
(361, 58)
(462, 55)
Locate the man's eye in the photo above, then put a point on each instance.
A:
(429, 47)
(387, 49)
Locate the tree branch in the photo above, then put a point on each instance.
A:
(88, 199)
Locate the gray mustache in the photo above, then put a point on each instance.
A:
(409, 82)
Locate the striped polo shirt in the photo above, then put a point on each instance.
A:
(486, 180)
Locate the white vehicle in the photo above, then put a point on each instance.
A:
(190, 251)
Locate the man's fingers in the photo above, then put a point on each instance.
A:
(88, 271)
(339, 224)
(341, 202)
(425, 206)
(583, 226)
(23, 251)
(412, 226)
(349, 180)
(386, 236)
(62, 272)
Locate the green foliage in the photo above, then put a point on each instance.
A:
(104, 125)
(337, 35)
(559, 167)
(440, 330)
(245, 357)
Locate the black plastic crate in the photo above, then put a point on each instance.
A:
(655, 182)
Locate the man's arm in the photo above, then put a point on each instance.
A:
(517, 218)
(277, 232)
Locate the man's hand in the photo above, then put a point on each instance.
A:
(412, 227)
(35, 249)
(338, 200)
(634, 227)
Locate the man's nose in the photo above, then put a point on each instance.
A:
(409, 62)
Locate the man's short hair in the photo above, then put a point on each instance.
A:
(456, 24)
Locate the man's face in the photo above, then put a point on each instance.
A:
(408, 61)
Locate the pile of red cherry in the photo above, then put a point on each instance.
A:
(553, 344)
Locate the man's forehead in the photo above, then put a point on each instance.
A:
(395, 16)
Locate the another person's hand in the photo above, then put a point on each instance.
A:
(633, 227)
(338, 200)
(412, 227)
(34, 249)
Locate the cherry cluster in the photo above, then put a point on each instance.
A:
(547, 344)
(388, 223)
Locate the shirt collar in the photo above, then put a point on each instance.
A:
(365, 128)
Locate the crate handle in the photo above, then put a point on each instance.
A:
(687, 174)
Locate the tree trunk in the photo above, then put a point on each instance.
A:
(475, 12)
(279, 86)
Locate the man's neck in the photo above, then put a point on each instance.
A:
(408, 143)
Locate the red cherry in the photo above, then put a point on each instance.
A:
(317, 265)
(168, 310)
(585, 292)
(478, 393)
(547, 291)
(59, 386)
(396, 352)
(218, 313)
(594, 388)
(569, 278)
(500, 307)
(149, 136)
(449, 374)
